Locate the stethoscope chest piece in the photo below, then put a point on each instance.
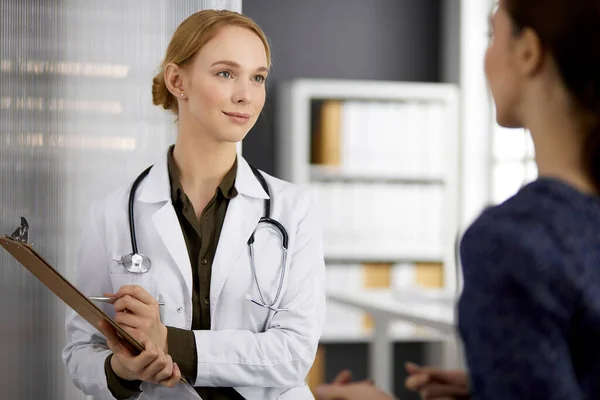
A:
(135, 263)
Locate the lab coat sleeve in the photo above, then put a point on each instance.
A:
(86, 348)
(283, 355)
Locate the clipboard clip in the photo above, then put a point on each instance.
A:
(21, 234)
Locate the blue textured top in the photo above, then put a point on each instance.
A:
(529, 314)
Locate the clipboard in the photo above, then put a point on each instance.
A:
(17, 246)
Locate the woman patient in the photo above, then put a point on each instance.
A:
(529, 314)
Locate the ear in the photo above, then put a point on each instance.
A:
(529, 52)
(174, 79)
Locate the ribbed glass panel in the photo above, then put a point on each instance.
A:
(76, 121)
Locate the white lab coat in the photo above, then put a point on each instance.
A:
(236, 352)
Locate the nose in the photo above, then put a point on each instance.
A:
(242, 93)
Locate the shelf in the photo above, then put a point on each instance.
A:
(399, 332)
(389, 258)
(425, 296)
(381, 303)
(427, 115)
(320, 173)
(374, 90)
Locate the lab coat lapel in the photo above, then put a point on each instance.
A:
(156, 189)
(166, 223)
(242, 217)
(243, 213)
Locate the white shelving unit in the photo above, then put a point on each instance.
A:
(294, 126)
(399, 331)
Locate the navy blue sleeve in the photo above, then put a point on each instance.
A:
(514, 312)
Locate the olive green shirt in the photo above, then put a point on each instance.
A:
(201, 238)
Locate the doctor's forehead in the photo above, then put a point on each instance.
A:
(239, 46)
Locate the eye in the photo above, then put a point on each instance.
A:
(259, 78)
(224, 74)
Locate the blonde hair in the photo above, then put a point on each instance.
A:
(191, 35)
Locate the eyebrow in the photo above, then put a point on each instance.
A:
(233, 64)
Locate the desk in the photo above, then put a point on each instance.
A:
(384, 307)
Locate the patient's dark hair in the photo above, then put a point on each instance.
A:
(570, 31)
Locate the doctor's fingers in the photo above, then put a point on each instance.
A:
(160, 369)
(140, 362)
(134, 321)
(136, 306)
(164, 373)
(135, 333)
(138, 293)
(112, 340)
(174, 379)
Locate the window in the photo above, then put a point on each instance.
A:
(512, 161)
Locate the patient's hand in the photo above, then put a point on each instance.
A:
(351, 391)
(342, 388)
(433, 384)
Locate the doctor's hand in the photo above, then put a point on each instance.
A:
(151, 365)
(138, 313)
(436, 384)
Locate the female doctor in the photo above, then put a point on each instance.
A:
(225, 287)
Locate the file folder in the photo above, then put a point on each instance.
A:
(68, 293)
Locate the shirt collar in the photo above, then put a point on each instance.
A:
(158, 188)
(226, 187)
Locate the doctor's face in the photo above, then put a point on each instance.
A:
(225, 86)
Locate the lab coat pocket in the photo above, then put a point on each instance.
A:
(255, 317)
(146, 281)
(296, 393)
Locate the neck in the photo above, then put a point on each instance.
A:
(558, 140)
(202, 161)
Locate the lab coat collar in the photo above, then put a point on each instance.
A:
(157, 187)
(246, 183)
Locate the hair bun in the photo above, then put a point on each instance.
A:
(160, 94)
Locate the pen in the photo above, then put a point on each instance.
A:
(111, 300)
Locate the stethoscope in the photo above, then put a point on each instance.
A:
(139, 263)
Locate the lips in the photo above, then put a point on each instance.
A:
(237, 115)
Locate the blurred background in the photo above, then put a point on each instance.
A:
(380, 107)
